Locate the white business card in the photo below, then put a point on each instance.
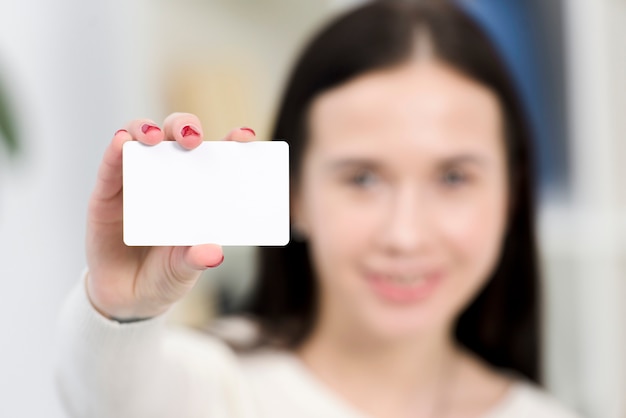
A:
(223, 192)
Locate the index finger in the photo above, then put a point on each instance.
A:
(145, 131)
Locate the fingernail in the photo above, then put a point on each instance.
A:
(249, 130)
(188, 130)
(218, 263)
(147, 127)
(120, 130)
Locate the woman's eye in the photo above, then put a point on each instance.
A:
(363, 179)
(454, 178)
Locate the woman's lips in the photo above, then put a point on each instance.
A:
(404, 288)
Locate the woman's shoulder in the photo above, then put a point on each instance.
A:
(499, 393)
(525, 399)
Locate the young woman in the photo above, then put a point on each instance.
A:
(409, 288)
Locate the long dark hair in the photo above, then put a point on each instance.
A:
(501, 325)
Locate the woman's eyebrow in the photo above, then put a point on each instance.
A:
(460, 159)
(352, 162)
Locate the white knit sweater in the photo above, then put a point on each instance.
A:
(144, 369)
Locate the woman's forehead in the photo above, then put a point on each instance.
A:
(422, 99)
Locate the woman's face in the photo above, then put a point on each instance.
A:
(403, 197)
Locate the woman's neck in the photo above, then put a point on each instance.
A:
(380, 376)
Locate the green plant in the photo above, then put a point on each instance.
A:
(8, 133)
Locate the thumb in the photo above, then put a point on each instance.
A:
(184, 264)
(198, 258)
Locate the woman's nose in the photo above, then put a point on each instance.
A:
(407, 226)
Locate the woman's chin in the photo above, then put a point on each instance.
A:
(390, 324)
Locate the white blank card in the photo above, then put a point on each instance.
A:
(223, 192)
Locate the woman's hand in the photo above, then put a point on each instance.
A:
(141, 282)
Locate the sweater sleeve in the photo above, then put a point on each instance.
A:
(142, 369)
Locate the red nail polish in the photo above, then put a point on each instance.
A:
(120, 130)
(218, 263)
(188, 131)
(146, 127)
(249, 130)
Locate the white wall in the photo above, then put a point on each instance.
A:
(67, 63)
(584, 240)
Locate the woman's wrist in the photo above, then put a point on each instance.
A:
(121, 317)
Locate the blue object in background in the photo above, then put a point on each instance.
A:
(529, 36)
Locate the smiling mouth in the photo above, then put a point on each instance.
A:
(404, 287)
(404, 279)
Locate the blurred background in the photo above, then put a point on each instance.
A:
(73, 72)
